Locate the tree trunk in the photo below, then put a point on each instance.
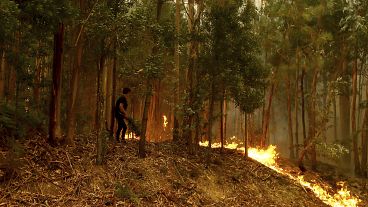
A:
(309, 144)
(225, 118)
(303, 106)
(222, 120)
(364, 166)
(101, 141)
(210, 114)
(353, 118)
(74, 82)
(37, 82)
(267, 115)
(113, 91)
(101, 65)
(245, 136)
(312, 121)
(336, 138)
(344, 105)
(365, 142)
(2, 75)
(147, 103)
(177, 70)
(56, 85)
(296, 114)
(148, 95)
(290, 124)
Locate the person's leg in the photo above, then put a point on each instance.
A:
(124, 130)
(120, 127)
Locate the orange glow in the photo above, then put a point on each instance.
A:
(268, 157)
(165, 122)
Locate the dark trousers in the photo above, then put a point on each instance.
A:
(121, 126)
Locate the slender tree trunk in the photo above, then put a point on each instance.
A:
(101, 65)
(353, 118)
(336, 138)
(303, 106)
(148, 95)
(245, 135)
(290, 124)
(147, 103)
(364, 166)
(297, 113)
(210, 114)
(225, 118)
(267, 115)
(37, 82)
(365, 142)
(56, 85)
(2, 74)
(74, 82)
(312, 121)
(113, 91)
(344, 105)
(101, 141)
(222, 119)
(309, 144)
(177, 70)
(109, 103)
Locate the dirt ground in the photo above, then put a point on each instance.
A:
(169, 176)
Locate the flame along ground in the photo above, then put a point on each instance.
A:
(268, 157)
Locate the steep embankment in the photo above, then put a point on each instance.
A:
(167, 177)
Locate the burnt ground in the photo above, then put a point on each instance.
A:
(169, 176)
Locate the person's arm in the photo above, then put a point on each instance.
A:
(122, 110)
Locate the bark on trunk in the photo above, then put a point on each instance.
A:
(290, 124)
(353, 119)
(303, 106)
(245, 135)
(101, 141)
(56, 85)
(113, 92)
(74, 82)
(267, 115)
(37, 82)
(2, 75)
(344, 105)
(147, 103)
(312, 135)
(365, 142)
(222, 120)
(297, 114)
(177, 70)
(210, 115)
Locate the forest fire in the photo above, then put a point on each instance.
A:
(165, 122)
(268, 157)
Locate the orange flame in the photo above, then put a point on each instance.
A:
(268, 157)
(165, 122)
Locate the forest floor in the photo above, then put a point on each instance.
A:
(67, 176)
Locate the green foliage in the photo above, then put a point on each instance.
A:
(232, 57)
(18, 123)
(8, 20)
(332, 151)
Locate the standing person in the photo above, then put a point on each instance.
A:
(121, 113)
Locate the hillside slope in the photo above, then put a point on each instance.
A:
(167, 177)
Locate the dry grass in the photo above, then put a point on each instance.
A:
(167, 177)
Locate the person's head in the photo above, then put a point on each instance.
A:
(126, 91)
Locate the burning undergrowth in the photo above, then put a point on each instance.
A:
(341, 197)
(169, 176)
